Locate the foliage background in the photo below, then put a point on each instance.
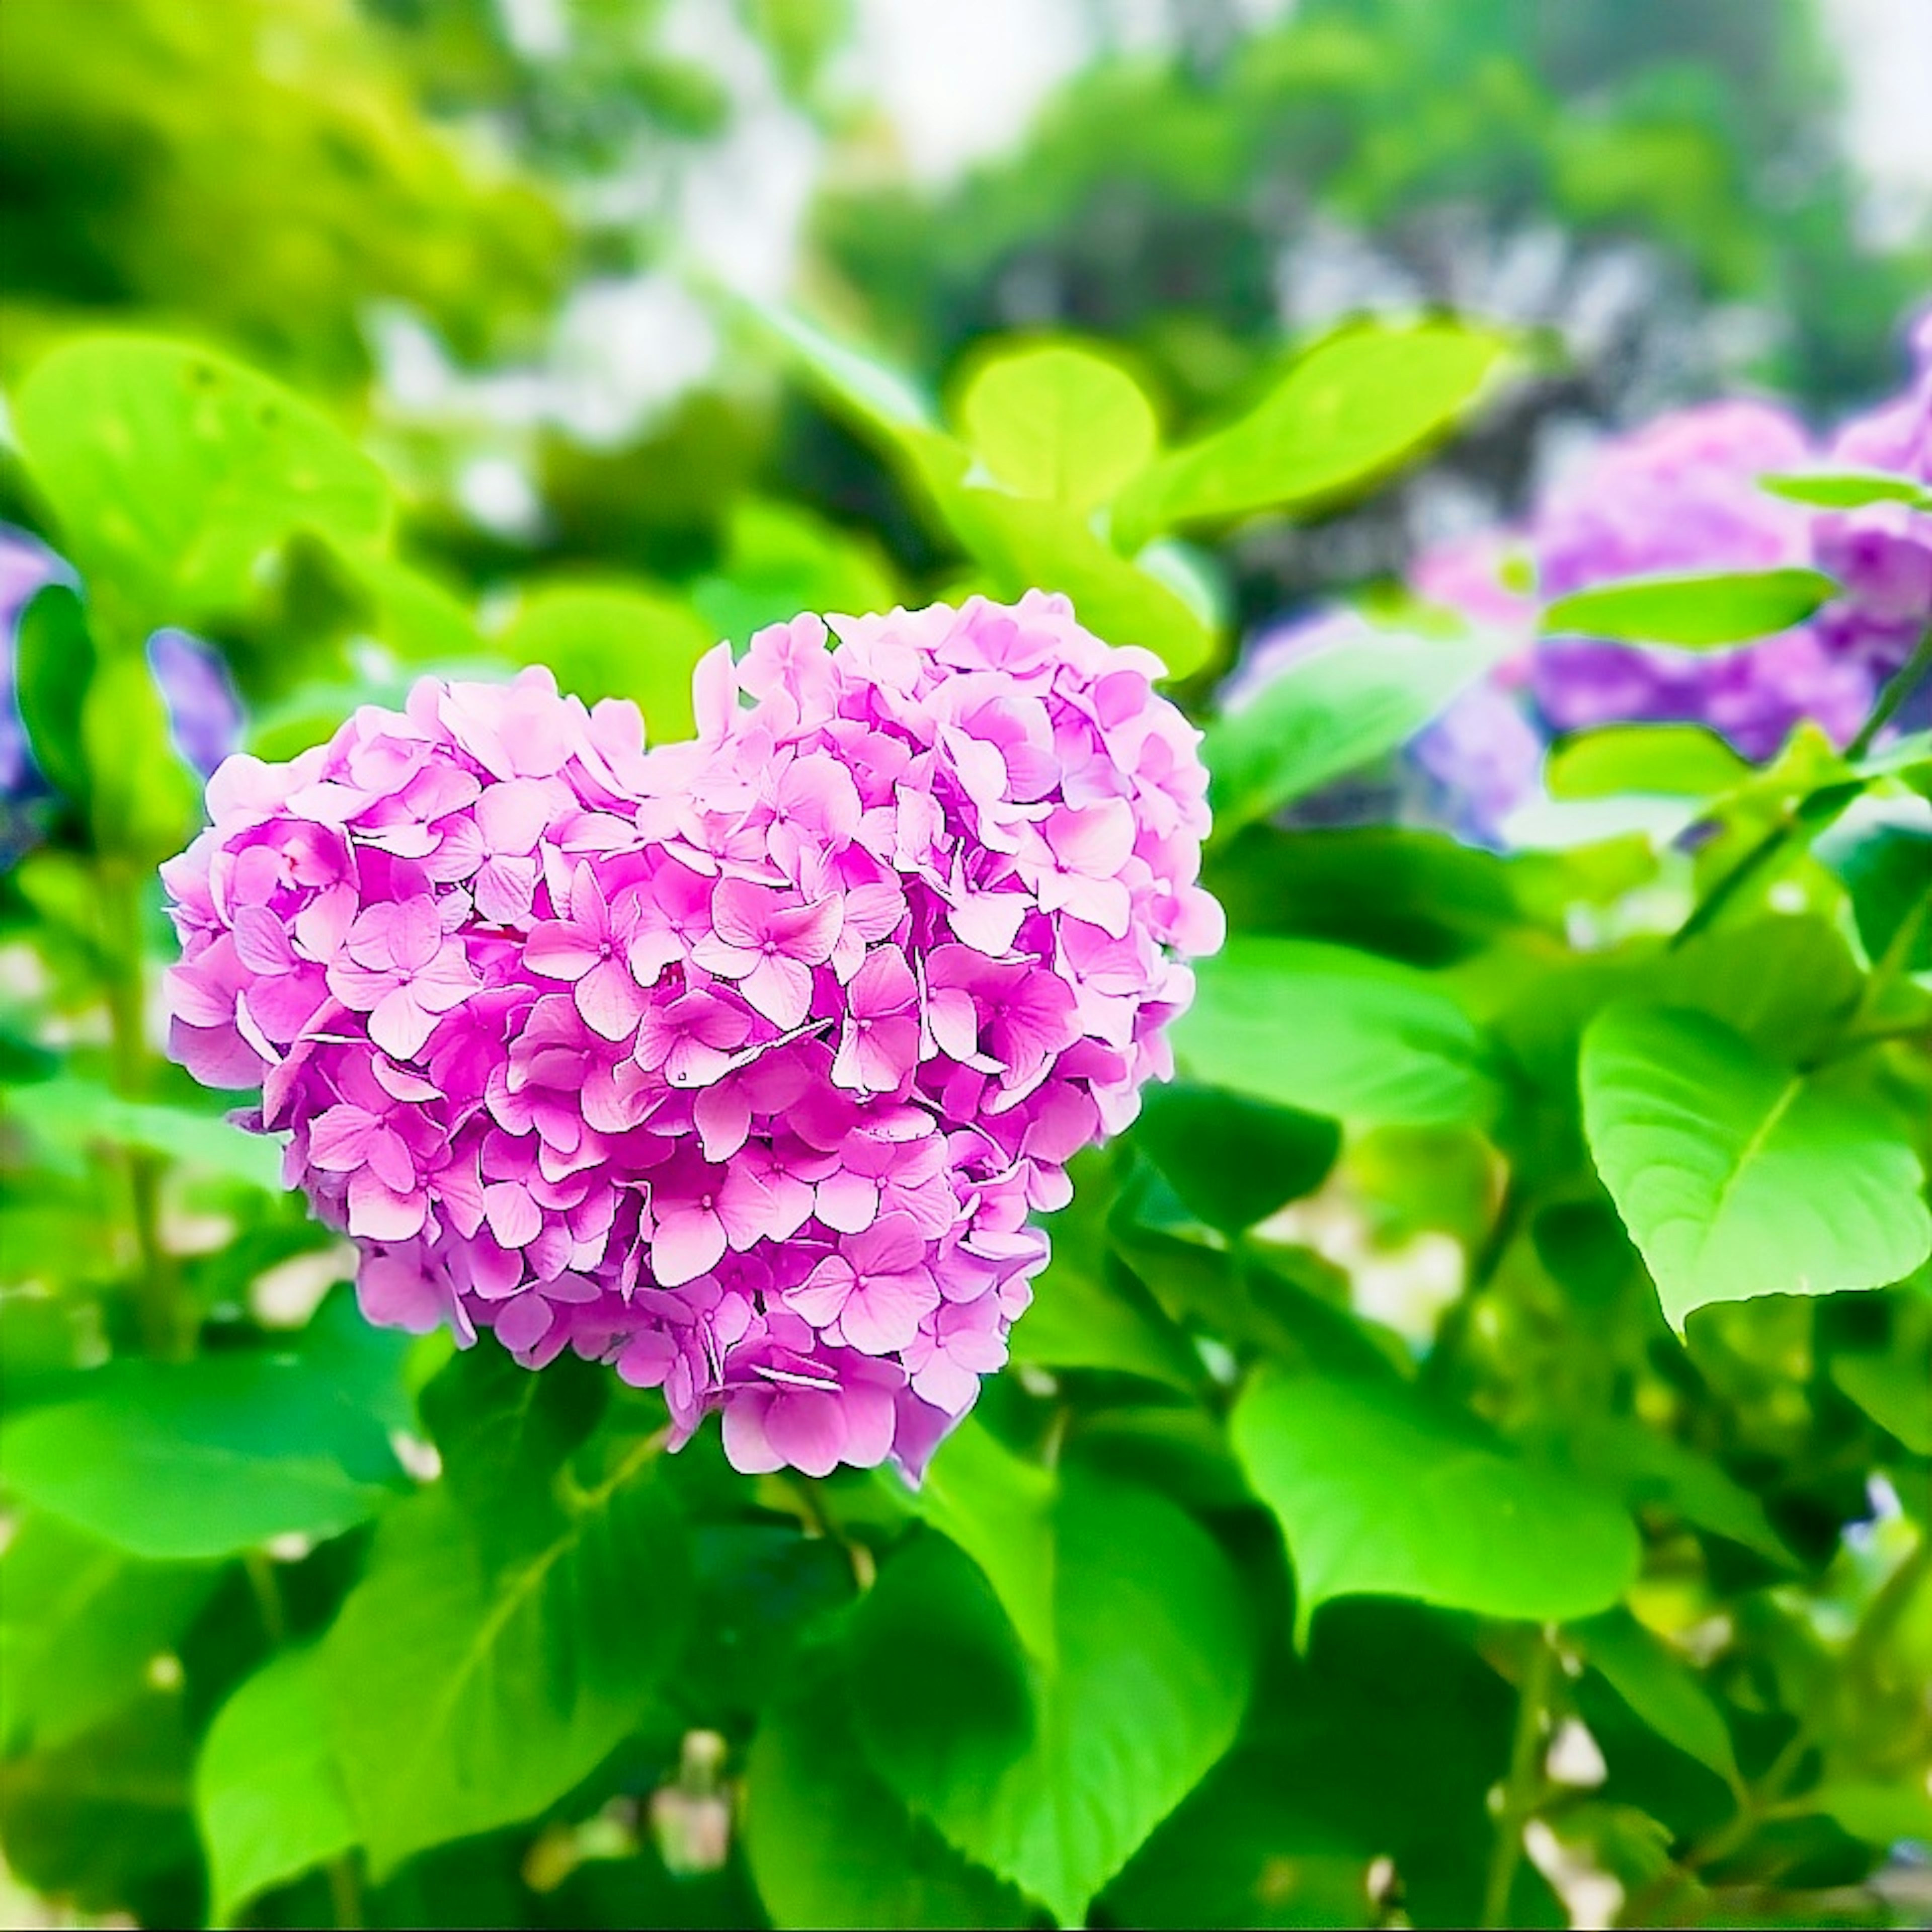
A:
(1353, 1541)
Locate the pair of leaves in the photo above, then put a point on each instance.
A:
(1378, 1493)
(1739, 1175)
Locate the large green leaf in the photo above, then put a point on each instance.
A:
(173, 472)
(1332, 1031)
(1343, 705)
(1052, 1775)
(81, 1623)
(1738, 1176)
(1055, 421)
(267, 1792)
(1378, 1493)
(614, 639)
(1349, 410)
(465, 1697)
(1694, 613)
(831, 1843)
(1233, 1160)
(201, 1459)
(998, 1508)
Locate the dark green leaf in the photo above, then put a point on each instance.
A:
(1660, 1687)
(53, 660)
(1233, 1160)
(465, 1697)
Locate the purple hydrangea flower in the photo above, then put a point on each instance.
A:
(740, 1064)
(1882, 555)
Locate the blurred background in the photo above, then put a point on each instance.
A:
(516, 239)
(530, 251)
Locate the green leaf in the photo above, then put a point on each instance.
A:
(1660, 1687)
(1887, 870)
(1059, 422)
(1349, 410)
(779, 560)
(1053, 1776)
(464, 1697)
(1343, 705)
(831, 1843)
(1025, 545)
(1663, 760)
(1378, 1493)
(1233, 1160)
(1652, 1471)
(1849, 490)
(614, 639)
(1332, 1031)
(80, 1624)
(201, 1459)
(1692, 613)
(1894, 1389)
(869, 388)
(142, 801)
(172, 473)
(53, 660)
(267, 1792)
(999, 1509)
(76, 1114)
(1738, 1176)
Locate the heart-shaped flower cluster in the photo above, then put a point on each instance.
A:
(739, 1063)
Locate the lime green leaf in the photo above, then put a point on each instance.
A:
(1666, 760)
(142, 800)
(1350, 409)
(1233, 1160)
(464, 1697)
(53, 660)
(1053, 1776)
(201, 1459)
(1660, 1687)
(74, 1115)
(779, 560)
(172, 473)
(267, 1792)
(1024, 545)
(1378, 1493)
(1651, 1470)
(998, 1509)
(1340, 707)
(1848, 490)
(80, 1623)
(1738, 1176)
(614, 639)
(1332, 1031)
(830, 1843)
(1694, 613)
(1058, 422)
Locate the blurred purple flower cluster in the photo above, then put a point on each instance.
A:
(739, 1063)
(1681, 496)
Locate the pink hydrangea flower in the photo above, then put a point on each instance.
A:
(739, 1065)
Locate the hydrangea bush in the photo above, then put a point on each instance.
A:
(1447, 1357)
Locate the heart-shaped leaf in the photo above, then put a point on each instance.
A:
(1051, 1775)
(1738, 1176)
(1379, 1494)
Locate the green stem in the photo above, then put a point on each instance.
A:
(1525, 1784)
(345, 1893)
(157, 1296)
(1906, 680)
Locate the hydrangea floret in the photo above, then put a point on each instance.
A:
(740, 1064)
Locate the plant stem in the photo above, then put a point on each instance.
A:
(1524, 1786)
(156, 1296)
(1903, 682)
(345, 1893)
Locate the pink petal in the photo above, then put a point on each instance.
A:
(780, 988)
(609, 1000)
(689, 1242)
